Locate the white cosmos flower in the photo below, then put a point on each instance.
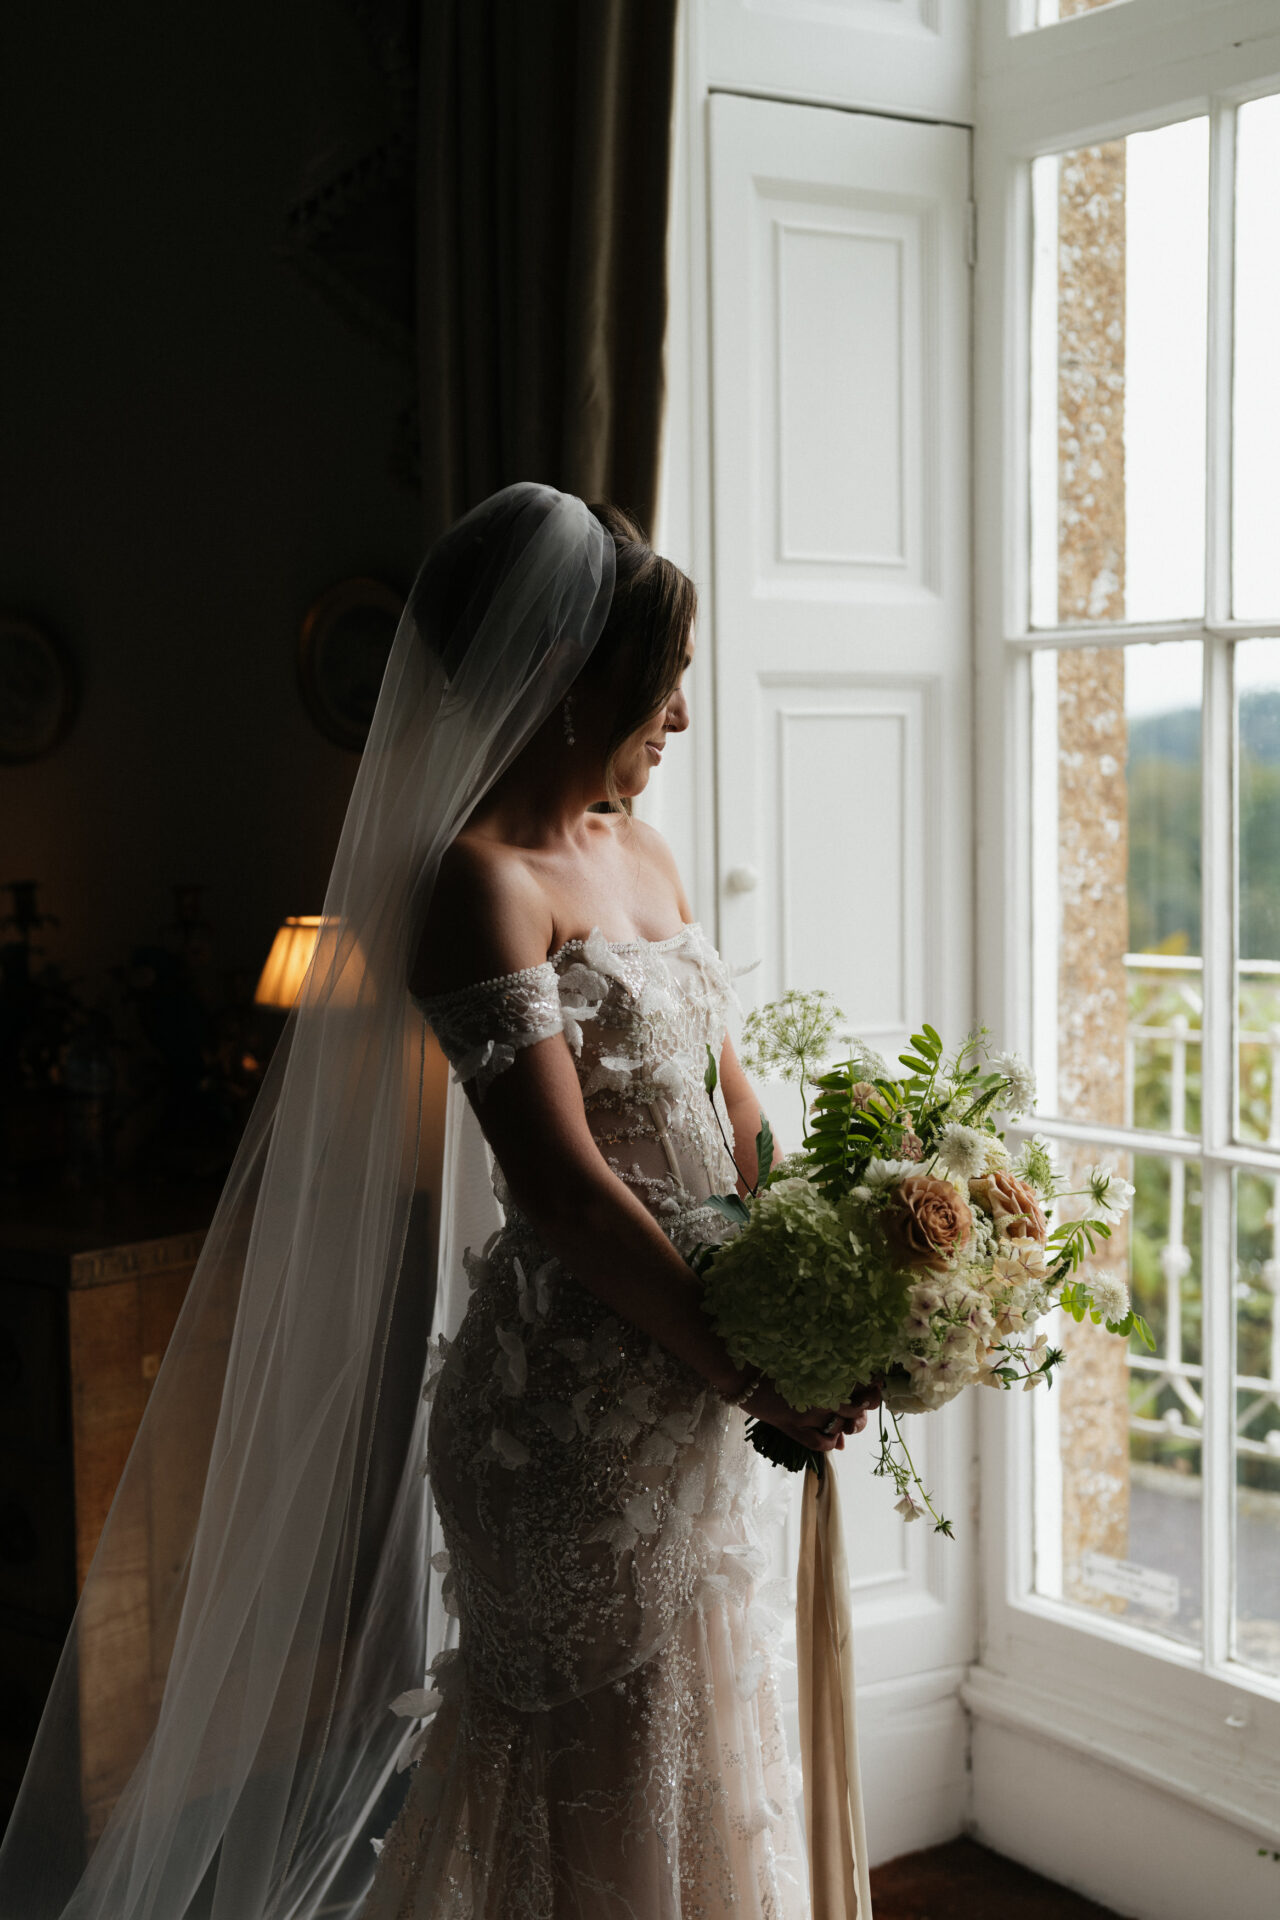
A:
(1109, 1192)
(887, 1173)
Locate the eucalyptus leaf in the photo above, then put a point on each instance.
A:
(731, 1205)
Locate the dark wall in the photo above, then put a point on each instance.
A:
(192, 446)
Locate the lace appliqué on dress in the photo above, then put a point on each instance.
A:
(606, 1741)
(481, 1027)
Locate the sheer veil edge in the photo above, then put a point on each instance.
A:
(268, 1546)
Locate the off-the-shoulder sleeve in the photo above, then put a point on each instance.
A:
(481, 1027)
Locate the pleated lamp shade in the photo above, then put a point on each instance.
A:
(287, 962)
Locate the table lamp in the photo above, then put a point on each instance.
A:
(287, 963)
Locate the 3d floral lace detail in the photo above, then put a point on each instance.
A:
(606, 1741)
(481, 1027)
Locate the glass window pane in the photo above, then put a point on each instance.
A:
(1257, 1584)
(1116, 884)
(1045, 13)
(1119, 302)
(1257, 685)
(1256, 365)
(1117, 1444)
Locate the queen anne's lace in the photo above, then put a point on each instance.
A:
(606, 1741)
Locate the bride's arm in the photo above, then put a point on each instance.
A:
(745, 1113)
(484, 922)
(533, 1117)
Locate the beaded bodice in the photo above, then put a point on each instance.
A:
(563, 1423)
(638, 1016)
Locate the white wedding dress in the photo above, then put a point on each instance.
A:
(606, 1741)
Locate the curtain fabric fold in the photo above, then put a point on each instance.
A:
(544, 144)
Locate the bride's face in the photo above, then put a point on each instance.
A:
(641, 752)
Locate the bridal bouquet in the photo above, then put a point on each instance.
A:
(903, 1244)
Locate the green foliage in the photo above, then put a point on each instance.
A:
(764, 1149)
(1070, 1243)
(731, 1205)
(1164, 855)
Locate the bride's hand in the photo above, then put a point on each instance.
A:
(766, 1403)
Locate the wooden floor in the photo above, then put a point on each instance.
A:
(963, 1881)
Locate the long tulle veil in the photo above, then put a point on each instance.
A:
(282, 1441)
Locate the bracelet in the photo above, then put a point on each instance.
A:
(754, 1376)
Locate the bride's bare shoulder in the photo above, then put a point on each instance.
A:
(487, 916)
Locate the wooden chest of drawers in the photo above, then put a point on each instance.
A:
(89, 1295)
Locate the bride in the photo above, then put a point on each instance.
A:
(548, 1511)
(608, 1740)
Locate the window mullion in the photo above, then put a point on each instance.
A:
(1218, 909)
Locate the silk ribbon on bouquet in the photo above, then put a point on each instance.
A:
(839, 1881)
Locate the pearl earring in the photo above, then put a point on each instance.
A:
(566, 713)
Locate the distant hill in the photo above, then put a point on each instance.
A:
(1164, 828)
(1176, 736)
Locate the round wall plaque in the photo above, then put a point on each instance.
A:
(39, 689)
(342, 655)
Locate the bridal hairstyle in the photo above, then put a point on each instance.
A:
(640, 649)
(267, 1550)
(654, 606)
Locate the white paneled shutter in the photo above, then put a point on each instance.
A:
(840, 439)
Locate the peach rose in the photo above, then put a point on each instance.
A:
(1011, 1203)
(927, 1221)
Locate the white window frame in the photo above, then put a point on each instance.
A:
(1163, 1711)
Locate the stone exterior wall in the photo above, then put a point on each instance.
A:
(1092, 807)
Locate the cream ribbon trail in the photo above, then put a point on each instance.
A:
(835, 1828)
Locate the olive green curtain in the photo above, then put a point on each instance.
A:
(543, 165)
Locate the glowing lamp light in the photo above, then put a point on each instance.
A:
(287, 963)
(341, 965)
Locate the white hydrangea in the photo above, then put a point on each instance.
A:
(962, 1150)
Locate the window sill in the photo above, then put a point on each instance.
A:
(1231, 1773)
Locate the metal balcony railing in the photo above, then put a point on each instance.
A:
(1165, 1008)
